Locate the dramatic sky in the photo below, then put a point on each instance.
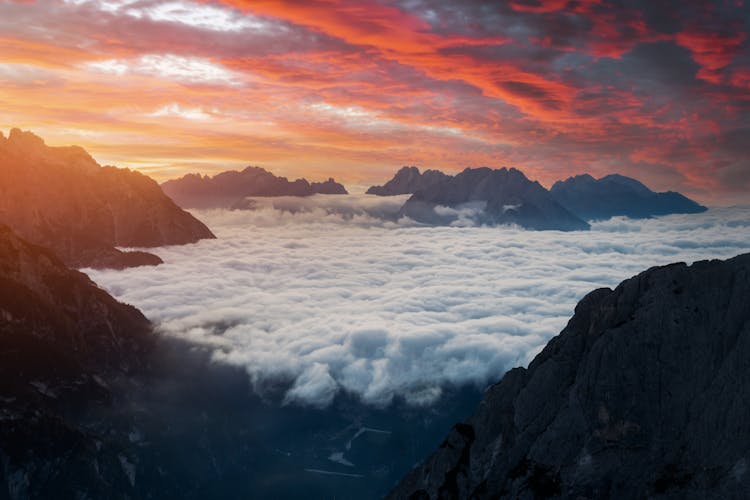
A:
(659, 90)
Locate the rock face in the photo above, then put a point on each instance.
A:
(409, 180)
(227, 188)
(62, 199)
(614, 195)
(645, 394)
(46, 301)
(487, 196)
(61, 339)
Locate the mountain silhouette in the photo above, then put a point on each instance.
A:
(409, 180)
(487, 196)
(227, 189)
(614, 195)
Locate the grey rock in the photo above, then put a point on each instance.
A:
(614, 195)
(644, 394)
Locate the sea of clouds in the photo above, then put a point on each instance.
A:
(330, 293)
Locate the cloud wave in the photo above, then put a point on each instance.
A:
(328, 302)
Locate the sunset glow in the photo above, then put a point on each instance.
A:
(355, 90)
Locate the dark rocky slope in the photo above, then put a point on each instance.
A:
(62, 199)
(93, 405)
(615, 195)
(226, 189)
(62, 342)
(501, 196)
(645, 394)
(409, 180)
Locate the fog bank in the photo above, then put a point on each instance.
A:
(328, 296)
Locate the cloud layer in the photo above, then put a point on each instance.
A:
(329, 302)
(320, 88)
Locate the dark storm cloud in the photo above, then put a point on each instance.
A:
(531, 91)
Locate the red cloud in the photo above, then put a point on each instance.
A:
(713, 51)
(346, 86)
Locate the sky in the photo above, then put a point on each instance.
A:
(658, 90)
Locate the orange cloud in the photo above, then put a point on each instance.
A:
(713, 51)
(355, 89)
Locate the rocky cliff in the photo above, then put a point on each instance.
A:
(645, 394)
(487, 196)
(59, 197)
(62, 341)
(226, 189)
(409, 180)
(615, 195)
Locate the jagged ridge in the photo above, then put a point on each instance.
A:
(498, 196)
(62, 199)
(226, 189)
(409, 180)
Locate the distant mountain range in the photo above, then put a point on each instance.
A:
(503, 196)
(645, 394)
(225, 189)
(615, 195)
(506, 196)
(59, 197)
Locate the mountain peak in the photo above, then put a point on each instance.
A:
(515, 171)
(407, 168)
(254, 169)
(100, 209)
(408, 180)
(617, 195)
(583, 177)
(32, 150)
(25, 139)
(625, 181)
